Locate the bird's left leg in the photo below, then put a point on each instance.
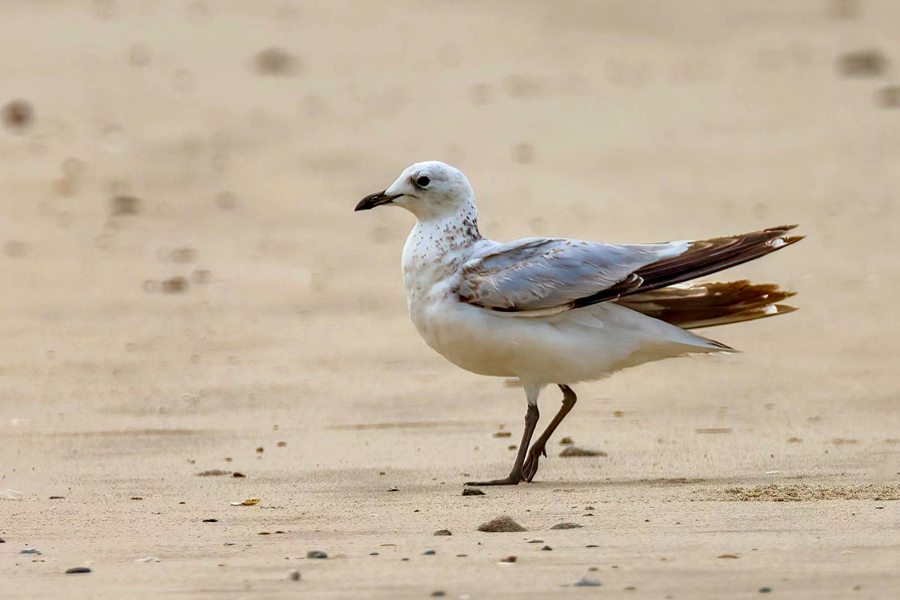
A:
(531, 419)
(540, 445)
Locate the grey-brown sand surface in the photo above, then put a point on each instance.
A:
(184, 285)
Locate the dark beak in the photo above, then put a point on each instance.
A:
(373, 200)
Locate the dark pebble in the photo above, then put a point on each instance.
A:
(765, 590)
(405, 559)
(18, 115)
(429, 553)
(373, 554)
(472, 492)
(566, 526)
(587, 582)
(592, 546)
(503, 524)
(236, 474)
(509, 559)
(548, 548)
(442, 532)
(461, 555)
(75, 570)
(57, 497)
(437, 594)
(210, 520)
(316, 554)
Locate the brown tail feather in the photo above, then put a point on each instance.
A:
(707, 304)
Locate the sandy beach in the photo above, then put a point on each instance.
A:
(185, 288)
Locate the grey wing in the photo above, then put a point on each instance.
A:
(552, 273)
(541, 273)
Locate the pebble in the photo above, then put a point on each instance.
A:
(30, 551)
(765, 590)
(293, 575)
(566, 441)
(503, 434)
(393, 488)
(536, 541)
(461, 555)
(443, 532)
(566, 526)
(576, 451)
(405, 559)
(592, 546)
(76, 570)
(727, 556)
(509, 559)
(373, 554)
(316, 554)
(18, 115)
(437, 594)
(57, 497)
(502, 524)
(210, 520)
(587, 582)
(547, 548)
(469, 491)
(429, 553)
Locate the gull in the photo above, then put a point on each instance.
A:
(561, 311)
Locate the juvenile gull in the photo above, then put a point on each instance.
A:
(561, 311)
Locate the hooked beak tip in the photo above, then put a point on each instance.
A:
(373, 200)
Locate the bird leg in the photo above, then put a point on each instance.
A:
(531, 465)
(515, 476)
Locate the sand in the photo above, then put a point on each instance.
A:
(185, 286)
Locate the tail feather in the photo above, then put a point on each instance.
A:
(707, 304)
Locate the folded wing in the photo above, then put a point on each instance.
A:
(552, 274)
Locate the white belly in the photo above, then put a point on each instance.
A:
(580, 345)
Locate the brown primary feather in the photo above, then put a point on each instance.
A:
(710, 303)
(702, 258)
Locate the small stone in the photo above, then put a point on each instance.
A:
(18, 115)
(509, 559)
(592, 546)
(437, 594)
(29, 551)
(212, 473)
(57, 497)
(566, 441)
(76, 570)
(470, 491)
(393, 488)
(728, 556)
(576, 451)
(373, 554)
(276, 62)
(405, 559)
(587, 582)
(630, 588)
(238, 475)
(442, 532)
(863, 63)
(293, 575)
(765, 590)
(260, 450)
(316, 554)
(124, 205)
(502, 524)
(210, 520)
(503, 434)
(429, 553)
(566, 526)
(281, 444)
(461, 555)
(547, 548)
(136, 498)
(174, 285)
(536, 541)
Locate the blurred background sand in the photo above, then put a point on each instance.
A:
(184, 283)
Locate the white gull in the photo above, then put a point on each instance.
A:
(561, 311)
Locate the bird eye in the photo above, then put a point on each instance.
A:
(423, 181)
